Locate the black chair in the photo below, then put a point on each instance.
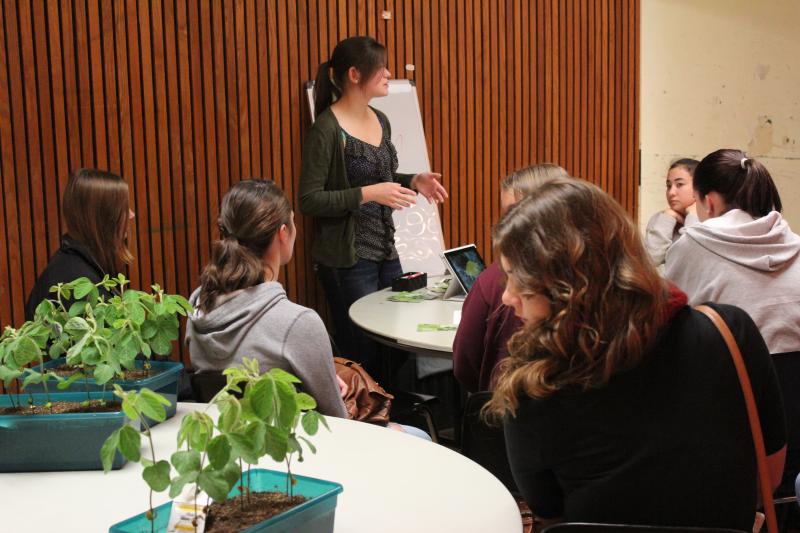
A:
(206, 384)
(580, 527)
(485, 444)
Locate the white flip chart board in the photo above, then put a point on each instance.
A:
(418, 235)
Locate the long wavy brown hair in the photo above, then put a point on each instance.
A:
(573, 244)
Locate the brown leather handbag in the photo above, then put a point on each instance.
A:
(752, 415)
(365, 401)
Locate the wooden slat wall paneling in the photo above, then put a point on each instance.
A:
(184, 98)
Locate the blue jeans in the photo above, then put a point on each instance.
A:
(343, 286)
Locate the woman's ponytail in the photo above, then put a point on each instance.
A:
(758, 194)
(232, 267)
(324, 89)
(742, 181)
(252, 213)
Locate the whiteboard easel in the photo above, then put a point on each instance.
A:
(418, 236)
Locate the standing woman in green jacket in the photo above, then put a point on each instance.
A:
(350, 185)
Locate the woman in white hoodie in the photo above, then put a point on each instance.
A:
(664, 227)
(743, 253)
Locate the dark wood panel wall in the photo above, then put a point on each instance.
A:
(184, 97)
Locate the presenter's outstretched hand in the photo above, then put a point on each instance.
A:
(429, 185)
(389, 194)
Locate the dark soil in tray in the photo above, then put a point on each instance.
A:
(130, 375)
(227, 517)
(95, 406)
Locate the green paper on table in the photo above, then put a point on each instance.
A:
(436, 327)
(404, 296)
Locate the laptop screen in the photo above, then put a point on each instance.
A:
(465, 263)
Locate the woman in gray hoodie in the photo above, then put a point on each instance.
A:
(743, 253)
(241, 308)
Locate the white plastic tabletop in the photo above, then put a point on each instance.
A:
(398, 321)
(393, 482)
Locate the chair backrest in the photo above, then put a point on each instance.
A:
(582, 527)
(206, 384)
(485, 444)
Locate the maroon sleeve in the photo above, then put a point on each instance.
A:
(468, 345)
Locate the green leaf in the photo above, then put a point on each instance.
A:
(157, 476)
(186, 461)
(288, 405)
(32, 378)
(44, 308)
(129, 406)
(77, 325)
(196, 428)
(74, 353)
(244, 447)
(305, 401)
(309, 444)
(214, 484)
(67, 383)
(231, 473)
(179, 482)
(276, 443)
(103, 374)
(26, 351)
(135, 311)
(82, 287)
(152, 405)
(129, 443)
(310, 422)
(8, 375)
(219, 452)
(229, 412)
(149, 329)
(261, 396)
(77, 309)
(109, 449)
(281, 375)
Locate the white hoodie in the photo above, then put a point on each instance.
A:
(747, 262)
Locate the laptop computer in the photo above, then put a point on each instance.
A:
(465, 265)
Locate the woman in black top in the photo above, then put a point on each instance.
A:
(620, 403)
(95, 208)
(349, 183)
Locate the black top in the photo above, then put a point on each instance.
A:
(667, 443)
(368, 164)
(70, 262)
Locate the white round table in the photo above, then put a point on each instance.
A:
(393, 482)
(395, 323)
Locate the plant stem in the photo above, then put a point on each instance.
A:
(44, 376)
(153, 456)
(241, 486)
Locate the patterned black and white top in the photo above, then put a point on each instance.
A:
(368, 164)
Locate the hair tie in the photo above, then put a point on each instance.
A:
(741, 163)
(224, 233)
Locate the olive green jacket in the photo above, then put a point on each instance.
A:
(326, 194)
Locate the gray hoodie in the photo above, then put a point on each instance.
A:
(748, 262)
(261, 323)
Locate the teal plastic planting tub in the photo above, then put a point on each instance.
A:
(315, 515)
(50, 443)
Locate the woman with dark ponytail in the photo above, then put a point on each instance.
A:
(350, 185)
(241, 308)
(744, 253)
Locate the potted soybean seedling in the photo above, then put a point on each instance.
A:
(49, 430)
(216, 456)
(96, 341)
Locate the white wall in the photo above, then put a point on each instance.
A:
(720, 74)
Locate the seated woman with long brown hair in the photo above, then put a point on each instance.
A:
(620, 403)
(95, 209)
